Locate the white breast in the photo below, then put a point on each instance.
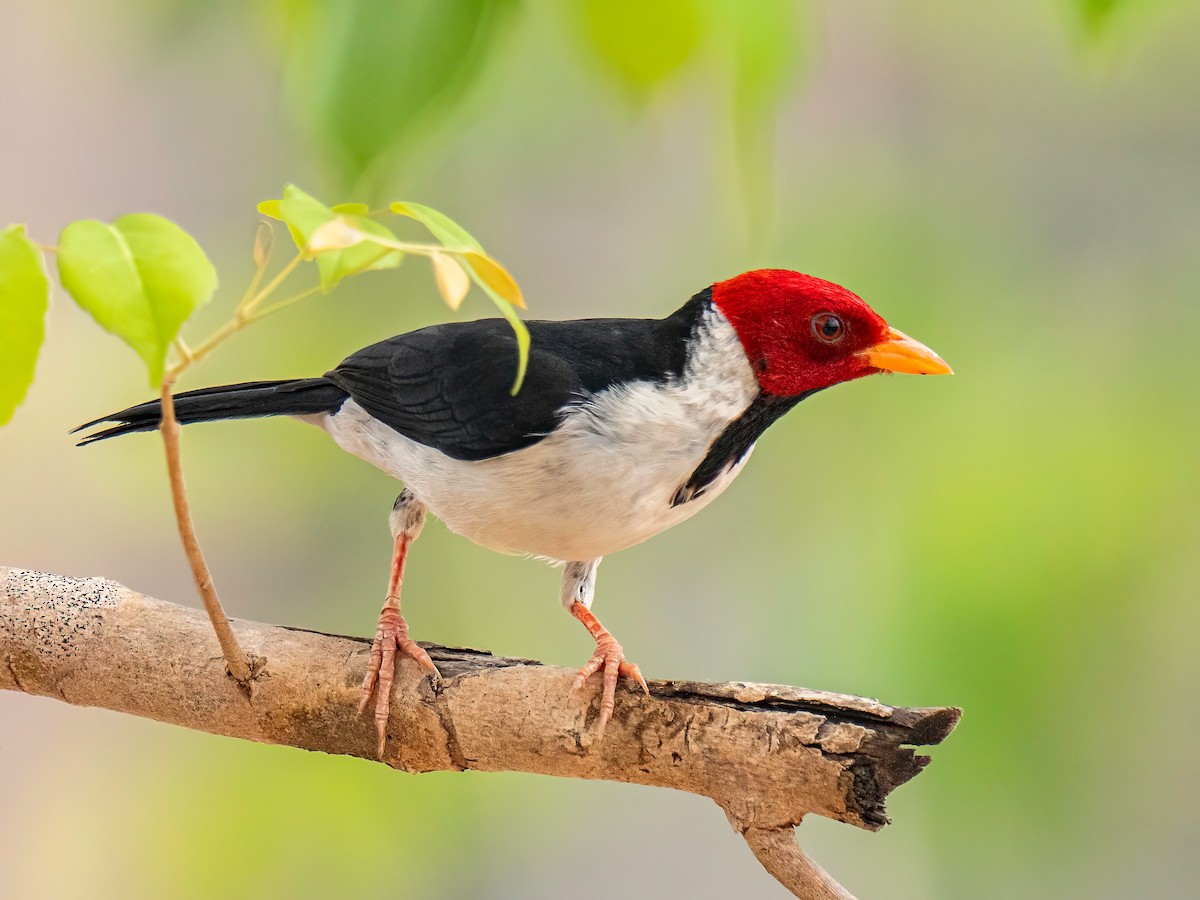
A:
(603, 481)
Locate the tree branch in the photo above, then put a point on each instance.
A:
(767, 754)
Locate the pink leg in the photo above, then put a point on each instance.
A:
(610, 657)
(391, 635)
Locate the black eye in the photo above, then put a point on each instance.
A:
(828, 328)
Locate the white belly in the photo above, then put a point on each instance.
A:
(604, 480)
(575, 495)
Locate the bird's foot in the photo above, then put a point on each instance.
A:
(390, 636)
(610, 659)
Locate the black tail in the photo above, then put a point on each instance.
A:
(297, 397)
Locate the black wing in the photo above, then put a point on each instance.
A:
(449, 386)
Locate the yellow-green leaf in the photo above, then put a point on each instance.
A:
(768, 48)
(1096, 14)
(485, 271)
(140, 278)
(441, 226)
(274, 209)
(304, 215)
(361, 258)
(522, 335)
(644, 43)
(24, 298)
(302, 212)
(494, 278)
(452, 282)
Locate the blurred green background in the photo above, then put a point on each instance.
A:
(1016, 184)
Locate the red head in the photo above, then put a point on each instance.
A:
(802, 333)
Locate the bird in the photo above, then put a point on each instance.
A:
(621, 429)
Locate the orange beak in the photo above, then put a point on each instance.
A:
(900, 353)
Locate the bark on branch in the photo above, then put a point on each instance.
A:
(767, 754)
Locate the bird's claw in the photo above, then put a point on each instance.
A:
(391, 636)
(609, 658)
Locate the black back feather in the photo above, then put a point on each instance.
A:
(449, 386)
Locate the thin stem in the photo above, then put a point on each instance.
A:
(423, 249)
(247, 311)
(251, 289)
(283, 304)
(271, 285)
(255, 281)
(243, 318)
(230, 328)
(184, 351)
(235, 657)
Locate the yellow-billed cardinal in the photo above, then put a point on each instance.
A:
(623, 428)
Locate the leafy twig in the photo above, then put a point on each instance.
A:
(141, 276)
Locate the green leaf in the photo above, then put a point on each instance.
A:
(353, 260)
(24, 298)
(522, 335)
(351, 209)
(273, 209)
(495, 281)
(1096, 14)
(441, 226)
(370, 77)
(304, 215)
(140, 278)
(484, 270)
(492, 278)
(768, 48)
(643, 43)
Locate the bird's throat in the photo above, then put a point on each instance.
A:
(732, 444)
